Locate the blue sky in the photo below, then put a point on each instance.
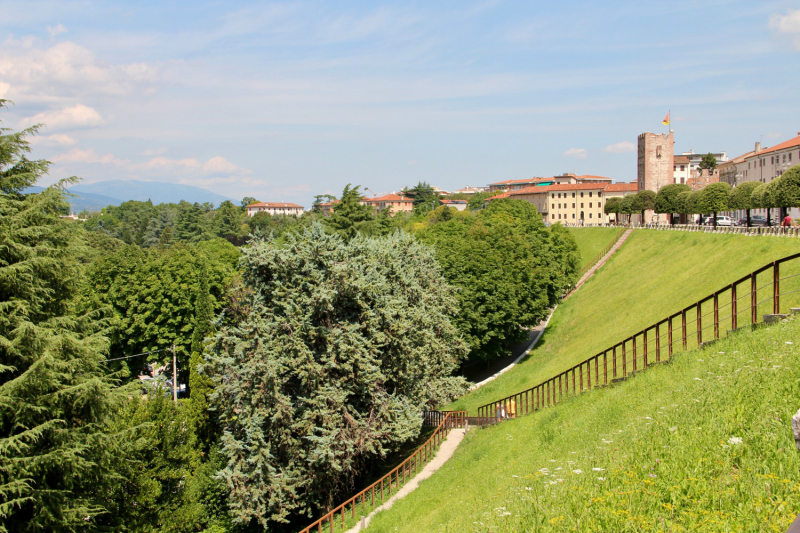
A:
(282, 101)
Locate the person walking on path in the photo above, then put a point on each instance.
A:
(501, 412)
(787, 221)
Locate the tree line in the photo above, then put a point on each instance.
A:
(308, 347)
(780, 193)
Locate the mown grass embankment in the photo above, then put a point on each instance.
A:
(702, 443)
(654, 274)
(592, 240)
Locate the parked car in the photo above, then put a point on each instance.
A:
(723, 221)
(755, 220)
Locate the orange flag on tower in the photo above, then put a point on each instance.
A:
(666, 120)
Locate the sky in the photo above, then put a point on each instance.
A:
(283, 101)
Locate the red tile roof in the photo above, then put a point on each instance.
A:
(561, 187)
(274, 204)
(791, 143)
(389, 198)
(681, 160)
(623, 187)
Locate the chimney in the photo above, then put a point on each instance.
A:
(758, 146)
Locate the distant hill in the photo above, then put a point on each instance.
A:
(157, 192)
(84, 200)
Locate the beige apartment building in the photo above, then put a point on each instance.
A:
(566, 202)
(394, 202)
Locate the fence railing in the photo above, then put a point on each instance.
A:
(602, 252)
(380, 491)
(690, 327)
(790, 231)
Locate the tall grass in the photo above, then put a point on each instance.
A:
(654, 274)
(702, 443)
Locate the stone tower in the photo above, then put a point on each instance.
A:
(656, 165)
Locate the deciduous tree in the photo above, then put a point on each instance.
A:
(741, 197)
(667, 199)
(714, 198)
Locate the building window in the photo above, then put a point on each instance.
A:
(573, 195)
(552, 216)
(581, 195)
(573, 215)
(552, 195)
(590, 215)
(598, 194)
(554, 206)
(590, 195)
(599, 215)
(581, 205)
(573, 205)
(590, 205)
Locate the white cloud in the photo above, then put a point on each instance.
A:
(76, 155)
(70, 117)
(788, 24)
(53, 31)
(54, 140)
(67, 70)
(155, 151)
(620, 147)
(577, 153)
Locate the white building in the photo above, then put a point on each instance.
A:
(274, 208)
(696, 159)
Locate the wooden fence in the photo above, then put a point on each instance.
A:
(381, 490)
(691, 327)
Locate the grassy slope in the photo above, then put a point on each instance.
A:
(653, 275)
(592, 240)
(654, 453)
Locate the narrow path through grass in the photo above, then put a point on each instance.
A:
(592, 240)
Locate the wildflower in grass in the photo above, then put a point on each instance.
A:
(601, 478)
(577, 471)
(598, 469)
(735, 440)
(698, 379)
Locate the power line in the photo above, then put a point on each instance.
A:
(137, 355)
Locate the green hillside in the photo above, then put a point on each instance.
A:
(592, 240)
(654, 274)
(699, 444)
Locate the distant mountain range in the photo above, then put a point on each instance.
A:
(95, 196)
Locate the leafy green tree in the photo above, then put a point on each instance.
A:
(684, 203)
(714, 198)
(643, 201)
(667, 198)
(787, 190)
(762, 198)
(248, 200)
(189, 223)
(229, 223)
(709, 162)
(344, 342)
(476, 200)
(167, 481)
(626, 206)
(349, 215)
(57, 457)
(741, 197)
(613, 206)
(504, 261)
(424, 197)
(154, 296)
